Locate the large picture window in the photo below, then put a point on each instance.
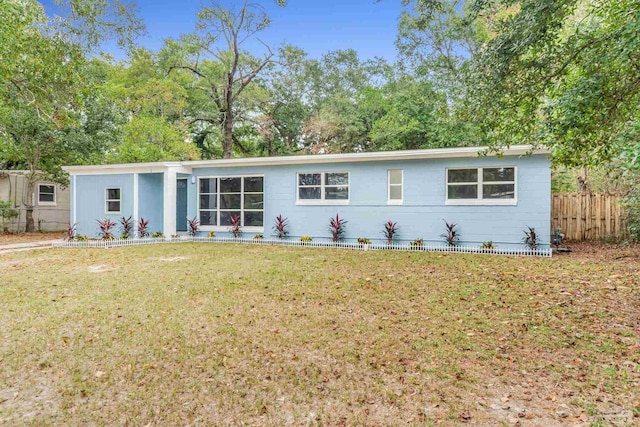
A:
(489, 185)
(330, 188)
(222, 198)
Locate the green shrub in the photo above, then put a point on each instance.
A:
(488, 245)
(417, 243)
(6, 212)
(631, 203)
(306, 239)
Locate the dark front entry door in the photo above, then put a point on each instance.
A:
(181, 205)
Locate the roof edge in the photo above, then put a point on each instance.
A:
(432, 153)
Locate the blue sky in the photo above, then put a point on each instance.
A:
(317, 26)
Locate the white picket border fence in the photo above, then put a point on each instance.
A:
(515, 251)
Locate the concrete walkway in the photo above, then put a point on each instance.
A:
(27, 246)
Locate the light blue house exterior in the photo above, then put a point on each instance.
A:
(490, 198)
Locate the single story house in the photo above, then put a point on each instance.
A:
(489, 197)
(50, 201)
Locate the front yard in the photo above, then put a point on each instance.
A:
(205, 334)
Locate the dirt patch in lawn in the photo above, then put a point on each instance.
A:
(11, 238)
(171, 259)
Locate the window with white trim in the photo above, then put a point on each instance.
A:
(46, 194)
(395, 179)
(222, 198)
(113, 200)
(488, 185)
(323, 188)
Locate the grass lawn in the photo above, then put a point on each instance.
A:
(203, 334)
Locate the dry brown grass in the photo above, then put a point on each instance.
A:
(11, 238)
(203, 334)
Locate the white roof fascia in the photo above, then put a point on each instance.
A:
(434, 153)
(159, 167)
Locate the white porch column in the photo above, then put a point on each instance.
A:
(136, 201)
(169, 202)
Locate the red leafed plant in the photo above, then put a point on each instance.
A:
(337, 228)
(390, 230)
(71, 230)
(452, 235)
(280, 227)
(236, 228)
(106, 225)
(194, 224)
(127, 227)
(143, 228)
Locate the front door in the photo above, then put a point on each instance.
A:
(181, 205)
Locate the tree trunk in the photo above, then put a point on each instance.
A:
(227, 135)
(583, 180)
(30, 225)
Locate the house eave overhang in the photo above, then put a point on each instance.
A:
(186, 166)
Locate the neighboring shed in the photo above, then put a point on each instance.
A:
(50, 202)
(490, 197)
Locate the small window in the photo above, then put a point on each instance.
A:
(113, 200)
(492, 185)
(46, 194)
(330, 188)
(395, 186)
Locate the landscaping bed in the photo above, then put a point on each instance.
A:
(228, 334)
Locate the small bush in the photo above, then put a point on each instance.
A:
(258, 237)
(417, 243)
(143, 228)
(306, 238)
(157, 235)
(106, 225)
(451, 236)
(337, 228)
(280, 227)
(487, 246)
(530, 238)
(364, 241)
(236, 228)
(211, 235)
(390, 230)
(7, 213)
(193, 224)
(631, 203)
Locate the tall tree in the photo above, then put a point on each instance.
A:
(564, 73)
(222, 70)
(42, 79)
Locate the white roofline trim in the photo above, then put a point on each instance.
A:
(433, 153)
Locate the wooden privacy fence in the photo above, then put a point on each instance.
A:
(589, 216)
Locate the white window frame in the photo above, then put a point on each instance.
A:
(322, 201)
(389, 185)
(480, 200)
(224, 228)
(107, 200)
(55, 194)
